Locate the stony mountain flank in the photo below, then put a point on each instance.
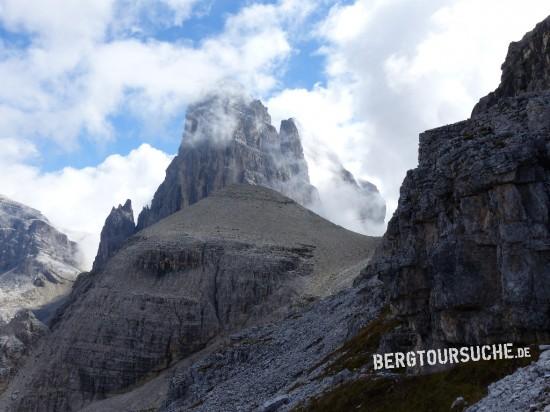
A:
(243, 255)
(38, 264)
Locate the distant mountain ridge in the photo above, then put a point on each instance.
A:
(38, 263)
(229, 139)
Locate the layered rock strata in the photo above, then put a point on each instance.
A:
(466, 257)
(241, 256)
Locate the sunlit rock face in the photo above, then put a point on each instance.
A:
(38, 263)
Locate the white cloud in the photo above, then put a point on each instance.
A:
(330, 137)
(89, 60)
(396, 68)
(181, 8)
(77, 201)
(82, 66)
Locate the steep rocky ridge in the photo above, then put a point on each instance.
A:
(118, 227)
(372, 207)
(243, 255)
(37, 262)
(466, 257)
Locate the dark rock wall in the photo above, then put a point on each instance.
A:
(118, 227)
(466, 257)
(229, 141)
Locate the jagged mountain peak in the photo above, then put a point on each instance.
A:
(118, 227)
(229, 138)
(244, 255)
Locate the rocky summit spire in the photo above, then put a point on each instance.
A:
(118, 227)
(227, 140)
(526, 68)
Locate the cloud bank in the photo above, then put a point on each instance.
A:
(395, 68)
(77, 201)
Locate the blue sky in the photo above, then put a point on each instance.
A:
(94, 92)
(303, 69)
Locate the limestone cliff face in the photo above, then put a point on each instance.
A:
(466, 257)
(118, 227)
(526, 69)
(243, 255)
(38, 263)
(229, 140)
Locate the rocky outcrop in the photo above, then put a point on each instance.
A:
(526, 69)
(466, 257)
(244, 255)
(527, 389)
(17, 339)
(227, 140)
(281, 364)
(37, 262)
(118, 227)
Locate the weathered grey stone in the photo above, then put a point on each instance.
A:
(38, 264)
(526, 69)
(227, 140)
(243, 255)
(274, 404)
(527, 389)
(118, 227)
(284, 358)
(466, 256)
(17, 338)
